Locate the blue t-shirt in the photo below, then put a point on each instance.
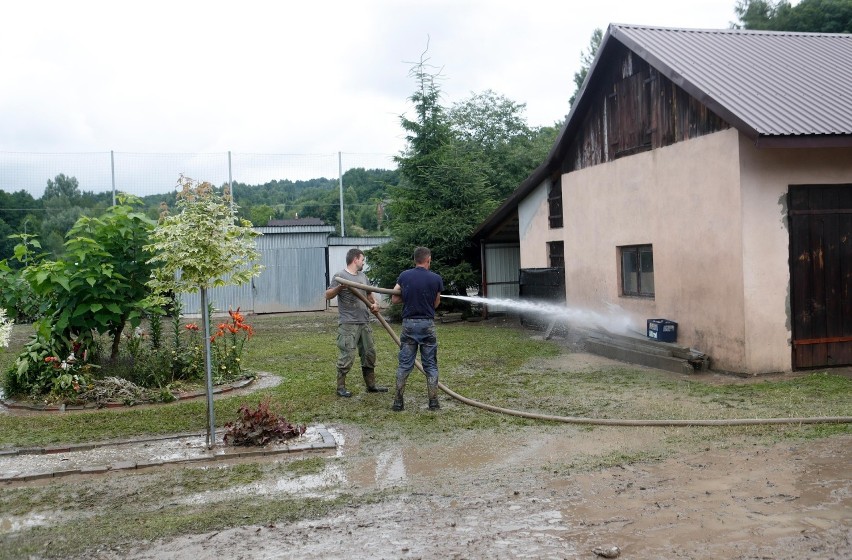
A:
(419, 287)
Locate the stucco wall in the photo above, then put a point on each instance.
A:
(714, 209)
(533, 228)
(684, 200)
(766, 175)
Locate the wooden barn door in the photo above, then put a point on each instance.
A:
(821, 274)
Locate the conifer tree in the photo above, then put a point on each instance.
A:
(441, 198)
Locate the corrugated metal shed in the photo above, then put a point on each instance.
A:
(293, 279)
(502, 263)
(765, 83)
(339, 246)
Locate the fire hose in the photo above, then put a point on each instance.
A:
(355, 288)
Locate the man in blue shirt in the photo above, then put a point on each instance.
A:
(420, 290)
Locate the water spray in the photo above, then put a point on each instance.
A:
(551, 310)
(617, 321)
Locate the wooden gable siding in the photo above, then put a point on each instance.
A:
(636, 109)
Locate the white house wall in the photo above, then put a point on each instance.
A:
(337, 249)
(532, 215)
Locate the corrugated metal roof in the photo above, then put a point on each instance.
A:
(765, 83)
(296, 222)
(293, 229)
(357, 241)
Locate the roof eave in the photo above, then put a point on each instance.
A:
(804, 141)
(502, 212)
(553, 157)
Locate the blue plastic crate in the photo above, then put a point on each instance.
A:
(662, 330)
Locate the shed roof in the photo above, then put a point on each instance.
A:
(764, 83)
(296, 222)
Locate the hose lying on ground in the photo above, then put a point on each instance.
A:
(578, 420)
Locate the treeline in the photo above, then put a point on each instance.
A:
(51, 216)
(365, 192)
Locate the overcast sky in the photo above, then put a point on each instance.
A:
(286, 77)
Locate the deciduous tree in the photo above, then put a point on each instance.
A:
(817, 16)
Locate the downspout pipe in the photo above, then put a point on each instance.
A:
(581, 420)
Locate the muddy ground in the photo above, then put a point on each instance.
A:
(542, 493)
(500, 498)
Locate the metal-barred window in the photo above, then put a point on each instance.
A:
(637, 270)
(556, 254)
(554, 202)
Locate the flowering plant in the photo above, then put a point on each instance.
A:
(71, 372)
(5, 329)
(227, 346)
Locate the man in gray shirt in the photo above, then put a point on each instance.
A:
(354, 332)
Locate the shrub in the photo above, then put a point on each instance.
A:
(260, 426)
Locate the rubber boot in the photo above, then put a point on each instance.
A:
(341, 385)
(370, 380)
(398, 402)
(433, 396)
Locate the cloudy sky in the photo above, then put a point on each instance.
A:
(286, 77)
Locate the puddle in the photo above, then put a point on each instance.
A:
(11, 524)
(399, 465)
(323, 485)
(166, 450)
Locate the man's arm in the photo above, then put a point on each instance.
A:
(333, 291)
(437, 300)
(395, 298)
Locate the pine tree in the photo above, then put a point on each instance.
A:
(441, 198)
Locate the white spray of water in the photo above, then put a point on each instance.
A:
(615, 321)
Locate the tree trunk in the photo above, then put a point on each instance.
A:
(116, 340)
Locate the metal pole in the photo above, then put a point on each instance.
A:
(230, 182)
(112, 166)
(340, 180)
(205, 318)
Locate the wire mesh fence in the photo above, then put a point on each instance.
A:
(143, 174)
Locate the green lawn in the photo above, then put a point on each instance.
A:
(492, 361)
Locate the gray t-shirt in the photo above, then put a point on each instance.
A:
(351, 309)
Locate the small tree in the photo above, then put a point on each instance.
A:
(99, 287)
(441, 198)
(586, 59)
(203, 246)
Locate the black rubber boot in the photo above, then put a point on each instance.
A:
(341, 386)
(370, 380)
(433, 396)
(398, 402)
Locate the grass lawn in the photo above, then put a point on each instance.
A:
(492, 361)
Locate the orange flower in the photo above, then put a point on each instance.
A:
(191, 327)
(236, 316)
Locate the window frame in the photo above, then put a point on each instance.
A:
(637, 251)
(554, 202)
(556, 254)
